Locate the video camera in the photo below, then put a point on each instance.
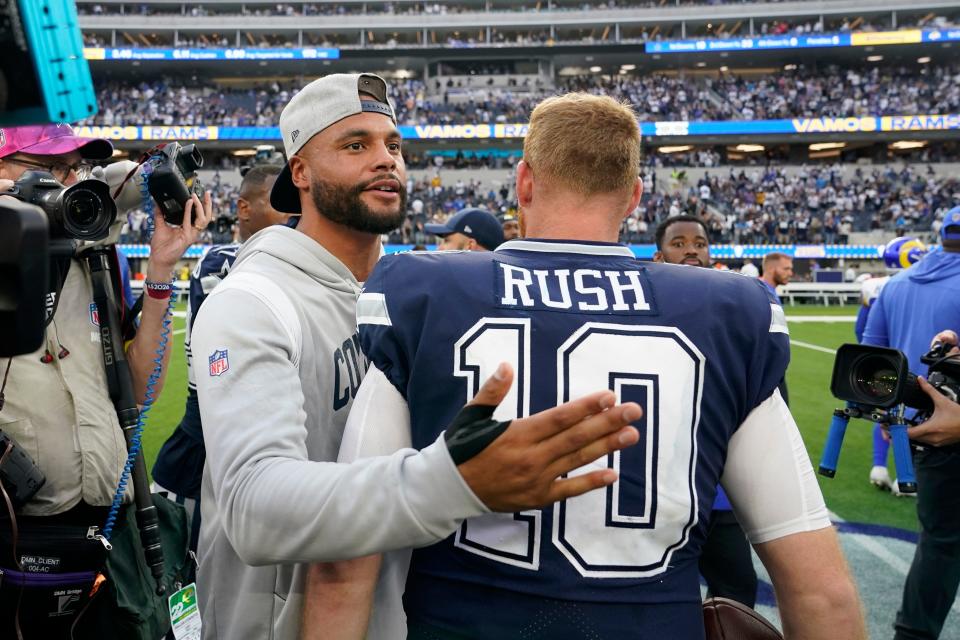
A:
(173, 179)
(877, 384)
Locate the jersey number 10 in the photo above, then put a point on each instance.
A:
(632, 528)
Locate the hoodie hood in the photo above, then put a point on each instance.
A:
(302, 252)
(936, 265)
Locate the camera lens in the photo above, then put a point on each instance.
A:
(874, 377)
(82, 209)
(87, 214)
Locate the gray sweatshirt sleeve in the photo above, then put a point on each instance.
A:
(275, 505)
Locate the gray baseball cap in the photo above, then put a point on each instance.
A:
(318, 105)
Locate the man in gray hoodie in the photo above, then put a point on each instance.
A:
(278, 365)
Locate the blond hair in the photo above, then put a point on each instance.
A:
(586, 143)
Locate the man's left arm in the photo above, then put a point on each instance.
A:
(787, 521)
(166, 248)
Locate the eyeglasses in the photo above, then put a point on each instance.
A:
(60, 170)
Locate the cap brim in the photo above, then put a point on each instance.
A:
(437, 229)
(284, 196)
(89, 148)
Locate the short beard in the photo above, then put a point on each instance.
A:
(343, 205)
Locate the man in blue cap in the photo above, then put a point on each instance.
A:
(914, 305)
(472, 229)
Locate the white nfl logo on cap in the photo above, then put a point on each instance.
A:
(468, 229)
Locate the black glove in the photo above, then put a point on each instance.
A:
(472, 431)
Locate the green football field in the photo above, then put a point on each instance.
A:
(848, 494)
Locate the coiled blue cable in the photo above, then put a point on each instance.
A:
(135, 440)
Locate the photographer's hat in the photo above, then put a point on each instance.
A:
(51, 140)
(318, 105)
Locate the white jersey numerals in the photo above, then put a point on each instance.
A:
(603, 534)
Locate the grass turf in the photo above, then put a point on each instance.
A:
(848, 494)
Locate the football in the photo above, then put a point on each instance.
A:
(726, 619)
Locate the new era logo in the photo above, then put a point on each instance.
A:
(3, 138)
(293, 136)
(219, 364)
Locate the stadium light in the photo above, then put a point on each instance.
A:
(701, 64)
(923, 60)
(595, 69)
(790, 67)
(244, 153)
(902, 145)
(827, 146)
(678, 149)
(749, 148)
(876, 58)
(628, 67)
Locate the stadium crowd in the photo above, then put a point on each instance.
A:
(800, 92)
(749, 205)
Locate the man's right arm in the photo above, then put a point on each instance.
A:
(277, 506)
(875, 332)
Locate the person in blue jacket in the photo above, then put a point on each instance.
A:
(900, 253)
(914, 306)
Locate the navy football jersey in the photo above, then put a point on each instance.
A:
(696, 348)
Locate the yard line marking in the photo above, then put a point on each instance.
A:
(815, 347)
(883, 554)
(179, 314)
(821, 318)
(179, 331)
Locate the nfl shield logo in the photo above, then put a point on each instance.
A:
(94, 315)
(219, 363)
(3, 138)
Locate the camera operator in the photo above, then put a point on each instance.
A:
(179, 467)
(57, 401)
(914, 305)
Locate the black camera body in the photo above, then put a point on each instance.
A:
(20, 475)
(880, 378)
(173, 179)
(83, 211)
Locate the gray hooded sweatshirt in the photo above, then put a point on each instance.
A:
(277, 364)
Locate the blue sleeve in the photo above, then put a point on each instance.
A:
(380, 341)
(861, 324)
(772, 345)
(875, 331)
(128, 299)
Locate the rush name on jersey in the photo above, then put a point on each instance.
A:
(697, 349)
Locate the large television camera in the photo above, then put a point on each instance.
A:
(877, 385)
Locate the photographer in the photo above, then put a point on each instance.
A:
(914, 305)
(57, 401)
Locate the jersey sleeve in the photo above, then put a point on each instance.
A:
(381, 341)
(788, 500)
(771, 352)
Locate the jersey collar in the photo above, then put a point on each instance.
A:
(565, 246)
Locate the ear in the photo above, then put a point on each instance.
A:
(635, 196)
(472, 245)
(243, 209)
(299, 171)
(658, 256)
(524, 184)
